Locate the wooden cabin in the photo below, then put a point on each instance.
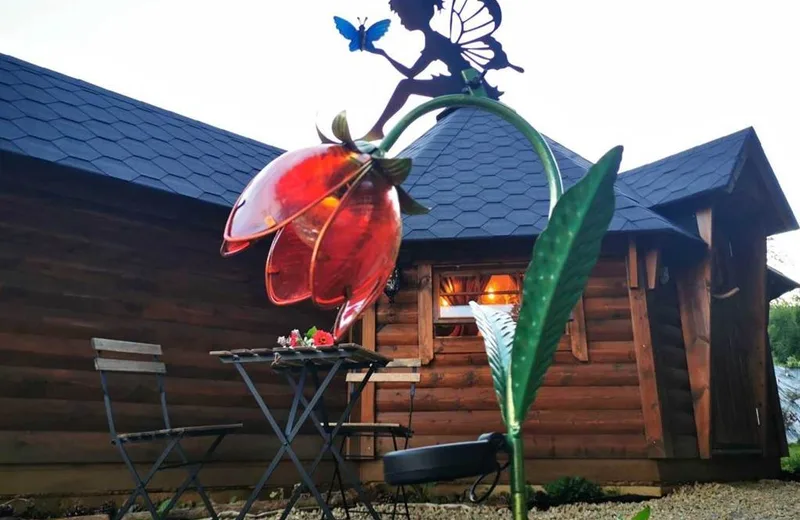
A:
(112, 215)
(664, 373)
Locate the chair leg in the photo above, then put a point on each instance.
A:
(400, 490)
(141, 484)
(337, 476)
(330, 487)
(193, 479)
(341, 484)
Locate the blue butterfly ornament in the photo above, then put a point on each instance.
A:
(361, 38)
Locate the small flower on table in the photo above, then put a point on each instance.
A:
(312, 338)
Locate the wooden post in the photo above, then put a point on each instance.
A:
(425, 313)
(704, 223)
(694, 300)
(659, 445)
(577, 333)
(633, 265)
(652, 264)
(366, 446)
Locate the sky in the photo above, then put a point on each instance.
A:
(655, 77)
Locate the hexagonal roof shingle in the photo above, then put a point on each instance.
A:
(56, 118)
(475, 170)
(481, 178)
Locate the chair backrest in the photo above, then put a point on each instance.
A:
(386, 375)
(105, 365)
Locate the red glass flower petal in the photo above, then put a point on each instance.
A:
(288, 268)
(288, 186)
(359, 244)
(230, 247)
(353, 308)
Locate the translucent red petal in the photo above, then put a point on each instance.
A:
(230, 248)
(288, 268)
(288, 186)
(359, 244)
(353, 308)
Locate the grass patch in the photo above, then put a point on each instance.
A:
(791, 464)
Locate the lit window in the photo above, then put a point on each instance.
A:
(495, 288)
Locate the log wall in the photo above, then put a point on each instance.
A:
(81, 260)
(584, 410)
(672, 370)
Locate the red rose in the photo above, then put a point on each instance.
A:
(294, 339)
(323, 339)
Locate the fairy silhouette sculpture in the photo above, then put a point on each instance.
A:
(470, 44)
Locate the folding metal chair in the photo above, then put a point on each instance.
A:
(172, 436)
(396, 431)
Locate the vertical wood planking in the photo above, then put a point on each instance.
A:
(425, 313)
(577, 333)
(694, 300)
(659, 445)
(756, 279)
(779, 447)
(366, 445)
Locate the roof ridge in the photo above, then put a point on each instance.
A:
(139, 103)
(686, 151)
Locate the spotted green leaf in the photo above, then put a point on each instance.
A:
(497, 329)
(644, 514)
(563, 257)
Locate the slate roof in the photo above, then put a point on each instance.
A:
(482, 179)
(478, 173)
(699, 170)
(57, 118)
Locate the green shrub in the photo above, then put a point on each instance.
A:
(791, 464)
(569, 490)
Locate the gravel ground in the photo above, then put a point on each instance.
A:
(765, 500)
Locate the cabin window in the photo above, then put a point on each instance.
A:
(500, 288)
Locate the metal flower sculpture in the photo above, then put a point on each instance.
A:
(335, 209)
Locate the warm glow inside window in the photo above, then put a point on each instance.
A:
(496, 288)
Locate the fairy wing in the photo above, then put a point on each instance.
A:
(472, 26)
(348, 30)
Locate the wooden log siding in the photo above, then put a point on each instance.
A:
(138, 265)
(671, 369)
(585, 409)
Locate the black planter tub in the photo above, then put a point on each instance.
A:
(445, 462)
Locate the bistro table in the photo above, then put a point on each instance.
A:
(297, 364)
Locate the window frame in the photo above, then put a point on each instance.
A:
(468, 270)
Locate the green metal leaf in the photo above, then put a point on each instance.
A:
(497, 329)
(563, 257)
(644, 514)
(341, 130)
(408, 205)
(367, 147)
(322, 137)
(395, 169)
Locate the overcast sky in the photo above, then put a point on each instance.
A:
(656, 77)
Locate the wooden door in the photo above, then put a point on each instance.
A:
(736, 332)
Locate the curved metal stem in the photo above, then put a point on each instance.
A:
(540, 146)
